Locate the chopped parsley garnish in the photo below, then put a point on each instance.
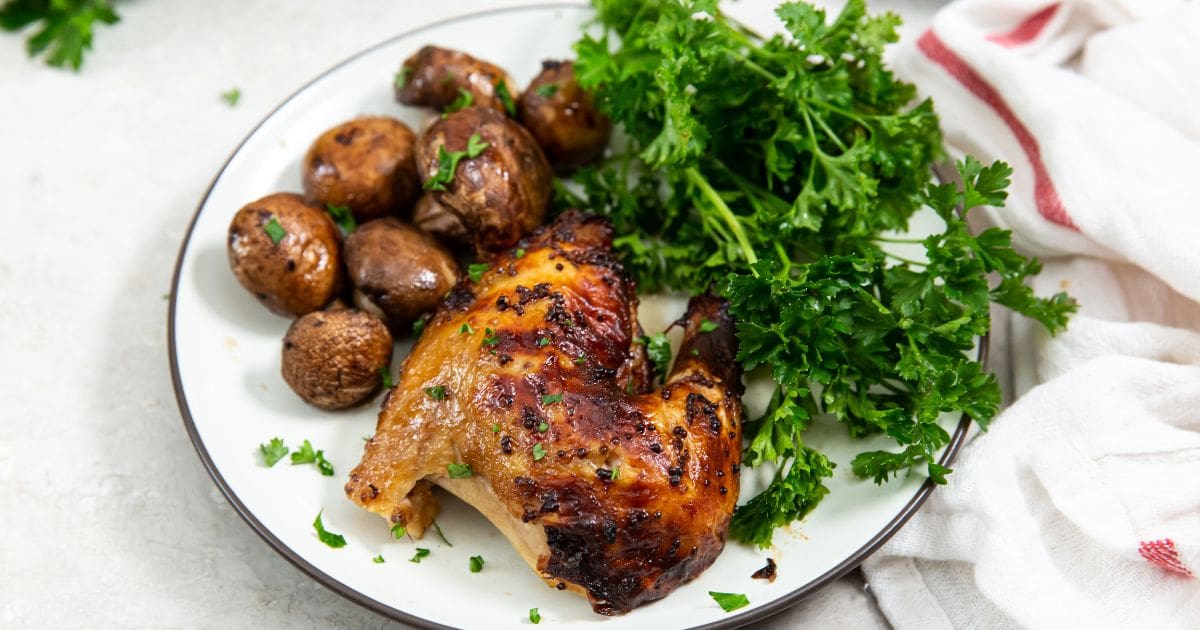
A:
(463, 101)
(399, 531)
(232, 97)
(437, 392)
(421, 553)
(307, 455)
(65, 32)
(543, 341)
(401, 78)
(489, 337)
(786, 220)
(520, 253)
(466, 329)
(616, 472)
(495, 427)
(418, 327)
(476, 564)
(547, 90)
(385, 375)
(378, 559)
(658, 348)
(329, 538)
(550, 399)
(274, 231)
(506, 98)
(729, 601)
(476, 271)
(539, 452)
(448, 162)
(542, 427)
(707, 326)
(273, 452)
(342, 217)
(459, 471)
(438, 528)
(581, 359)
(535, 616)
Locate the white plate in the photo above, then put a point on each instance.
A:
(225, 352)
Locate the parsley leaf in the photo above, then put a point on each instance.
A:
(729, 601)
(231, 97)
(476, 564)
(475, 146)
(459, 471)
(535, 616)
(506, 98)
(399, 531)
(385, 376)
(342, 217)
(329, 538)
(273, 452)
(550, 399)
(274, 231)
(421, 553)
(448, 162)
(539, 451)
(707, 326)
(463, 101)
(466, 329)
(308, 455)
(476, 271)
(658, 348)
(378, 559)
(65, 32)
(547, 90)
(437, 392)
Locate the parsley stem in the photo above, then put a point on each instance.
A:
(905, 260)
(883, 239)
(725, 213)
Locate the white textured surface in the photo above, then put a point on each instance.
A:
(110, 518)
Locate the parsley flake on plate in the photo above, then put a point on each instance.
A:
(273, 452)
(329, 538)
(378, 559)
(729, 601)
(476, 564)
(399, 531)
(535, 616)
(232, 97)
(476, 271)
(308, 455)
(421, 553)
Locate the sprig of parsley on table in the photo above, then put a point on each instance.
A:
(769, 170)
(64, 31)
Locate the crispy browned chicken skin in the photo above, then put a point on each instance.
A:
(531, 377)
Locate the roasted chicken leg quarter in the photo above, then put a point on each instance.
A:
(527, 397)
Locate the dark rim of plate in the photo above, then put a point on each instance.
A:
(735, 621)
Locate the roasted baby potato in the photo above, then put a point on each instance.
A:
(436, 77)
(501, 184)
(365, 164)
(333, 359)
(285, 252)
(560, 115)
(399, 272)
(433, 217)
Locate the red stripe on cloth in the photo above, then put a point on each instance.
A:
(1045, 195)
(1026, 31)
(1161, 553)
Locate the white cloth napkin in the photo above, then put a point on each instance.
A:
(1080, 508)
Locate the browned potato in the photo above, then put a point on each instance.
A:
(501, 194)
(434, 77)
(561, 117)
(285, 252)
(398, 271)
(332, 359)
(433, 217)
(365, 164)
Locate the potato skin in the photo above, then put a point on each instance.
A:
(501, 194)
(444, 225)
(568, 127)
(435, 75)
(365, 164)
(300, 274)
(332, 359)
(399, 272)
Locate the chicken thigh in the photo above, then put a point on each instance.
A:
(528, 397)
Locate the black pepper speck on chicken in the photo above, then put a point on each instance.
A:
(606, 486)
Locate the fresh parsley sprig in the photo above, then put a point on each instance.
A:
(65, 27)
(769, 169)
